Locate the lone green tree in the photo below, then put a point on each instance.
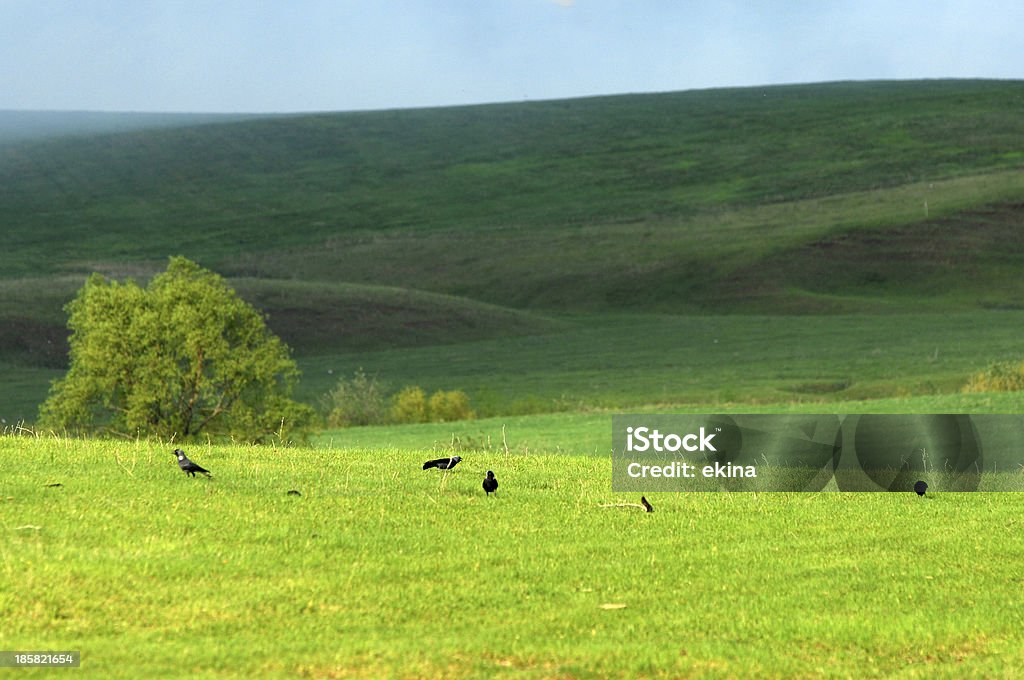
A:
(182, 357)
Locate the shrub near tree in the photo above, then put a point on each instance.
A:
(361, 400)
(356, 402)
(449, 406)
(181, 358)
(409, 405)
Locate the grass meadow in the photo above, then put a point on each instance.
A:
(620, 361)
(829, 248)
(628, 361)
(381, 569)
(589, 432)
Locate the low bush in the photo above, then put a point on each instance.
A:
(1000, 376)
(409, 405)
(363, 400)
(448, 406)
(359, 401)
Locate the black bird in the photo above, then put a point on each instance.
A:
(491, 483)
(442, 463)
(187, 466)
(647, 505)
(920, 488)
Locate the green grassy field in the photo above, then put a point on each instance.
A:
(589, 432)
(623, 361)
(380, 569)
(627, 360)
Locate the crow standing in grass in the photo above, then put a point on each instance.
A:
(187, 466)
(491, 483)
(442, 463)
(921, 487)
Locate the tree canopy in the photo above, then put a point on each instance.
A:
(182, 357)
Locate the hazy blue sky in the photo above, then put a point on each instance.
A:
(302, 55)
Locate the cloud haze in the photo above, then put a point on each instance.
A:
(303, 55)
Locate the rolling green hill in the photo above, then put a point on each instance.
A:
(688, 190)
(363, 232)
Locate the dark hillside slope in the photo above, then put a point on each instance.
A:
(971, 258)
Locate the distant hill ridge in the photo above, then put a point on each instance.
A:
(680, 202)
(25, 125)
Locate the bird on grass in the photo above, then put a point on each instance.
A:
(921, 487)
(187, 466)
(490, 483)
(647, 506)
(442, 463)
